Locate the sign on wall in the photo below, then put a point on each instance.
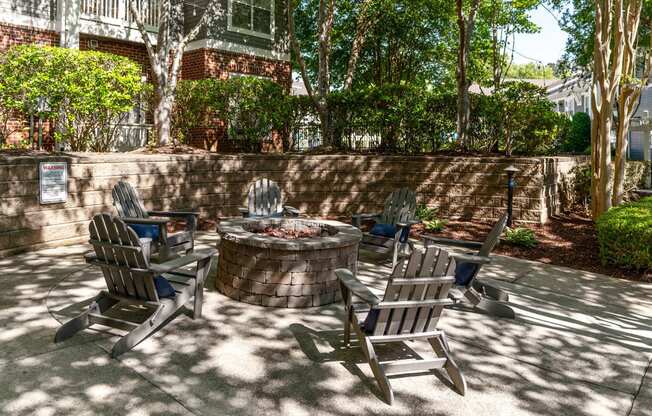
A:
(53, 182)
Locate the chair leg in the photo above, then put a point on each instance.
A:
(440, 347)
(203, 268)
(491, 291)
(347, 327)
(100, 303)
(489, 306)
(71, 327)
(379, 374)
(141, 332)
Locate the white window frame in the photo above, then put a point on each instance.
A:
(236, 29)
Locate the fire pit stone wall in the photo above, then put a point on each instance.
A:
(265, 270)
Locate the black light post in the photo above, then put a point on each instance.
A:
(511, 183)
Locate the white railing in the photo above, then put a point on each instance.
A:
(117, 11)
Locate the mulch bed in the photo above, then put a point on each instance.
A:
(566, 240)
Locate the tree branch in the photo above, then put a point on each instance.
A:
(363, 24)
(143, 33)
(296, 48)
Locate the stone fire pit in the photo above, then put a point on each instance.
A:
(257, 268)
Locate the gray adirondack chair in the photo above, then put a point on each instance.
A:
(130, 208)
(400, 212)
(132, 283)
(481, 295)
(414, 298)
(265, 200)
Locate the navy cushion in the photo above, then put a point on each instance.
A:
(146, 230)
(389, 230)
(163, 288)
(464, 273)
(370, 321)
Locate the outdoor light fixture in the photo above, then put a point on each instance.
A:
(511, 183)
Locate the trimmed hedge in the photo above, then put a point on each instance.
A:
(625, 235)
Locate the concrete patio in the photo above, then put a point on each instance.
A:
(581, 345)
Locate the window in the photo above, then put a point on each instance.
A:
(252, 17)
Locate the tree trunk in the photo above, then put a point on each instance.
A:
(162, 120)
(465, 27)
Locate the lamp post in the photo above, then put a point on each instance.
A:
(511, 183)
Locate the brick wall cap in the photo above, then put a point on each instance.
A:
(234, 230)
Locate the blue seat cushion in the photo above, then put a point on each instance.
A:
(370, 321)
(146, 230)
(389, 230)
(464, 272)
(163, 287)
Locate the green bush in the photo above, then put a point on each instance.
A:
(523, 237)
(578, 139)
(250, 107)
(625, 235)
(435, 225)
(87, 93)
(424, 213)
(580, 181)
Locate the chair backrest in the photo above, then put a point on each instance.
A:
(127, 201)
(493, 237)
(264, 198)
(416, 293)
(120, 255)
(400, 206)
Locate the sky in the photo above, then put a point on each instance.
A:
(546, 46)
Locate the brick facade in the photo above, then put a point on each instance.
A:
(11, 35)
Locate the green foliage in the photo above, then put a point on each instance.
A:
(625, 235)
(530, 70)
(87, 93)
(580, 181)
(523, 237)
(251, 108)
(435, 225)
(424, 213)
(578, 139)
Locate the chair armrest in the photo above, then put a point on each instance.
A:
(407, 223)
(177, 263)
(356, 219)
(173, 213)
(244, 211)
(448, 241)
(150, 221)
(356, 287)
(291, 210)
(470, 258)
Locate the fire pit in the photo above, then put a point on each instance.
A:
(284, 262)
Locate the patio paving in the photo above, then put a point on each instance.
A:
(581, 345)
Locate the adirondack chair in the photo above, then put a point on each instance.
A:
(132, 282)
(390, 233)
(130, 208)
(265, 200)
(482, 296)
(416, 294)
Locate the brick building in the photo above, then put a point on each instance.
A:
(248, 38)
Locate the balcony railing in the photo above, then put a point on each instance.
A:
(117, 11)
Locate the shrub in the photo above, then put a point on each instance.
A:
(625, 235)
(87, 93)
(523, 237)
(424, 213)
(578, 139)
(435, 225)
(250, 107)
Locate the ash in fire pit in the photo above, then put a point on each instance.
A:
(292, 230)
(284, 262)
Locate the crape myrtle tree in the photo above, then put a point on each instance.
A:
(166, 55)
(609, 38)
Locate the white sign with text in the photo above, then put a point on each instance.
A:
(53, 182)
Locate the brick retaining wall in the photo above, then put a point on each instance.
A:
(216, 185)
